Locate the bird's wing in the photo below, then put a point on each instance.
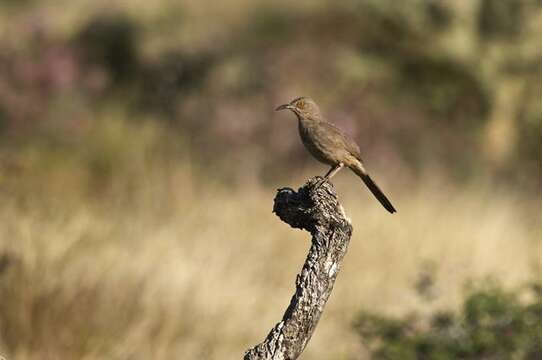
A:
(347, 141)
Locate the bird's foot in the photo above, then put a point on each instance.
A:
(319, 183)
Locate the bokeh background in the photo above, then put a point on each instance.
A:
(140, 153)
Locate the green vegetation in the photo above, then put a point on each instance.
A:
(492, 323)
(461, 79)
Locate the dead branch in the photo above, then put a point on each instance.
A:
(319, 212)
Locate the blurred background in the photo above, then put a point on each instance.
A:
(140, 153)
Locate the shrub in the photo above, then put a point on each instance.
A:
(492, 323)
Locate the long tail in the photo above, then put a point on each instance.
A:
(360, 171)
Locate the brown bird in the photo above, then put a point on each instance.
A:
(330, 145)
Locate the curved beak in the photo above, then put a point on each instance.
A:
(283, 107)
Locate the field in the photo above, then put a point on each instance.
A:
(168, 263)
(140, 155)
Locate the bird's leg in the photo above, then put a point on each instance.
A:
(334, 169)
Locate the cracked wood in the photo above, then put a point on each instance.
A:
(319, 212)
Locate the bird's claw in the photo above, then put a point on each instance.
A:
(319, 183)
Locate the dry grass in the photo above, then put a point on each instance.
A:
(165, 263)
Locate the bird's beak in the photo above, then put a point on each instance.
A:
(283, 107)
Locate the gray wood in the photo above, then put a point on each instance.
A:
(319, 212)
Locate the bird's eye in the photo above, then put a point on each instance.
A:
(300, 104)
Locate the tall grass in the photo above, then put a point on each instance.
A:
(115, 246)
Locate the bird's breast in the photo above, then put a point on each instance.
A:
(314, 142)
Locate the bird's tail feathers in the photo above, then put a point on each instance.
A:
(360, 171)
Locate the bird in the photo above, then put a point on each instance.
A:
(330, 145)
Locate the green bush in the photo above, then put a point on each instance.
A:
(492, 323)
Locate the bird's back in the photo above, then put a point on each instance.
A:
(326, 142)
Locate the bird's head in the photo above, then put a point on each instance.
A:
(304, 107)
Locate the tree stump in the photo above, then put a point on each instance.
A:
(318, 211)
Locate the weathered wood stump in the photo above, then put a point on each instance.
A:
(319, 212)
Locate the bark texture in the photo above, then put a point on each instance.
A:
(319, 212)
